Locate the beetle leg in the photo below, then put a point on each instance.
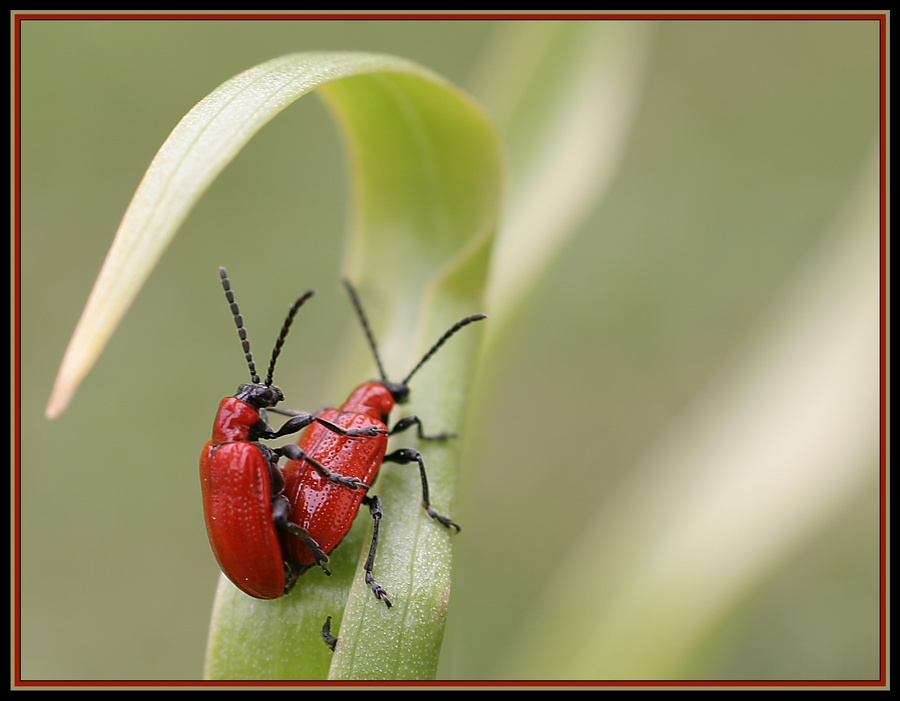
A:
(374, 504)
(367, 432)
(292, 573)
(300, 420)
(297, 423)
(295, 452)
(329, 639)
(294, 412)
(281, 507)
(409, 421)
(404, 456)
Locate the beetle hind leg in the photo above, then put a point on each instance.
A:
(375, 508)
(281, 507)
(292, 573)
(327, 636)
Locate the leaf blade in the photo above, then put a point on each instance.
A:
(198, 149)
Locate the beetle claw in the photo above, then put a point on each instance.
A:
(378, 590)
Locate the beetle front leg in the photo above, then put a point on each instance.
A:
(294, 412)
(295, 452)
(295, 424)
(367, 432)
(299, 421)
(409, 421)
(404, 456)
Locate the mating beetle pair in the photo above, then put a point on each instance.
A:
(269, 525)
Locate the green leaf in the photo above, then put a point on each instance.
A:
(212, 134)
(427, 182)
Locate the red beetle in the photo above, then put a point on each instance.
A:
(325, 508)
(246, 510)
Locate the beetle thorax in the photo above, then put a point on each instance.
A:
(372, 399)
(234, 421)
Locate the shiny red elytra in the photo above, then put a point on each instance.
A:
(247, 513)
(326, 507)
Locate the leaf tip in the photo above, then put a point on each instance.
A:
(60, 397)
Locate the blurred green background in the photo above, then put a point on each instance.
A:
(743, 215)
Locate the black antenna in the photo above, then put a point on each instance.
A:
(402, 387)
(242, 331)
(365, 324)
(442, 340)
(279, 342)
(239, 322)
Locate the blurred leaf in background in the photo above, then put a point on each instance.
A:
(673, 469)
(703, 366)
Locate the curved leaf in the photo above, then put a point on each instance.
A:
(197, 150)
(427, 175)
